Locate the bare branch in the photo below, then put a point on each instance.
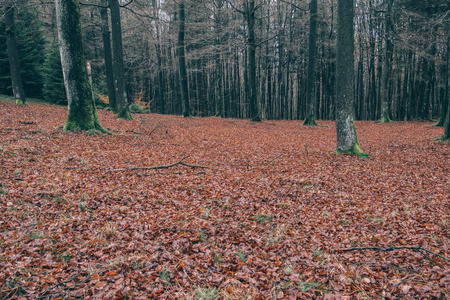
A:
(236, 9)
(92, 4)
(160, 166)
(392, 249)
(294, 5)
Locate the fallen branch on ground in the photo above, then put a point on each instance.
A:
(161, 166)
(392, 249)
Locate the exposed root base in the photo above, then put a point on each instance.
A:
(310, 121)
(125, 114)
(21, 102)
(354, 150)
(440, 123)
(384, 119)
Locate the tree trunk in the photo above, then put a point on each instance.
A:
(118, 65)
(447, 119)
(182, 62)
(253, 97)
(82, 113)
(109, 71)
(310, 94)
(387, 66)
(347, 139)
(13, 57)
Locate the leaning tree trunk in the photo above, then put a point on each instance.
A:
(310, 94)
(182, 62)
(347, 139)
(82, 113)
(109, 71)
(387, 66)
(118, 65)
(13, 57)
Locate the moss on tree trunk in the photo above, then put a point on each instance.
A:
(310, 121)
(347, 139)
(82, 113)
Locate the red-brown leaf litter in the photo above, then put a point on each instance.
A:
(266, 219)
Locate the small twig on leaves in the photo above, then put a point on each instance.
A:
(153, 130)
(270, 161)
(160, 166)
(419, 249)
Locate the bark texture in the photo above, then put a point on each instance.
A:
(82, 113)
(387, 66)
(446, 135)
(347, 139)
(253, 96)
(13, 57)
(118, 65)
(182, 61)
(106, 37)
(310, 93)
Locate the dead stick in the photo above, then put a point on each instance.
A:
(392, 249)
(160, 166)
(153, 130)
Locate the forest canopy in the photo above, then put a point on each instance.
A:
(221, 62)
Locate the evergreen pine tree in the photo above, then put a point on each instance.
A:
(54, 91)
(5, 78)
(31, 51)
(31, 45)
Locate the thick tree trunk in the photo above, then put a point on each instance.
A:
(118, 65)
(310, 94)
(182, 61)
(109, 71)
(347, 139)
(82, 113)
(13, 57)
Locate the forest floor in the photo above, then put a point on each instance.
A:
(268, 218)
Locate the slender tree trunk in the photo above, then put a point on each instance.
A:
(182, 61)
(161, 90)
(446, 135)
(387, 66)
(109, 71)
(347, 139)
(13, 57)
(310, 94)
(82, 113)
(118, 64)
(253, 97)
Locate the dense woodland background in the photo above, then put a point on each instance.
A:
(403, 42)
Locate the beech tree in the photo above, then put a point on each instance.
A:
(182, 61)
(14, 66)
(310, 93)
(387, 65)
(347, 139)
(109, 70)
(446, 135)
(118, 64)
(82, 112)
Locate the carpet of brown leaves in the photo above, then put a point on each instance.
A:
(265, 220)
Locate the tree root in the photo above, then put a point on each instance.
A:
(420, 249)
(160, 166)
